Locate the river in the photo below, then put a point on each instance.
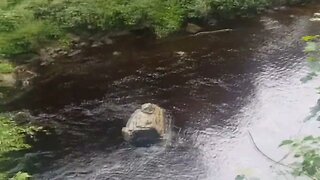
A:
(216, 87)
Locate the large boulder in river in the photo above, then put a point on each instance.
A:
(146, 125)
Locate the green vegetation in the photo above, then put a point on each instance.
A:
(312, 46)
(21, 176)
(27, 25)
(12, 141)
(6, 67)
(307, 153)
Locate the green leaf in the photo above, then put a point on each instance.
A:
(308, 138)
(21, 176)
(297, 155)
(240, 177)
(310, 38)
(285, 142)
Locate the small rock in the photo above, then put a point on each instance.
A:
(74, 38)
(76, 52)
(64, 53)
(180, 53)
(269, 10)
(107, 40)
(212, 22)
(45, 56)
(96, 44)
(24, 76)
(282, 7)
(193, 28)
(116, 53)
(83, 44)
(120, 33)
(317, 15)
(276, 8)
(315, 19)
(58, 50)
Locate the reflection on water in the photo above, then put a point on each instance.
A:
(216, 87)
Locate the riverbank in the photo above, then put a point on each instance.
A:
(29, 26)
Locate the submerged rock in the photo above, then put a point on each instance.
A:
(212, 22)
(146, 125)
(23, 117)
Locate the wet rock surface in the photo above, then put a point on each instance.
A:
(146, 125)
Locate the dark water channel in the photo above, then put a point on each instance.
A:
(216, 87)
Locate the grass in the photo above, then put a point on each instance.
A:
(6, 68)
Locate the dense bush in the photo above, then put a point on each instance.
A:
(27, 24)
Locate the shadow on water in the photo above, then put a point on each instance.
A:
(214, 86)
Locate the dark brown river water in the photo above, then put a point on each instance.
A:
(216, 87)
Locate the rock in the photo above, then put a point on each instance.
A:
(45, 57)
(107, 40)
(180, 53)
(83, 44)
(212, 22)
(315, 19)
(74, 53)
(116, 53)
(96, 44)
(146, 125)
(24, 76)
(316, 15)
(193, 28)
(280, 8)
(23, 117)
(7, 80)
(74, 38)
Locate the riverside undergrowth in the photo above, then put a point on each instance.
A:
(13, 147)
(28, 25)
